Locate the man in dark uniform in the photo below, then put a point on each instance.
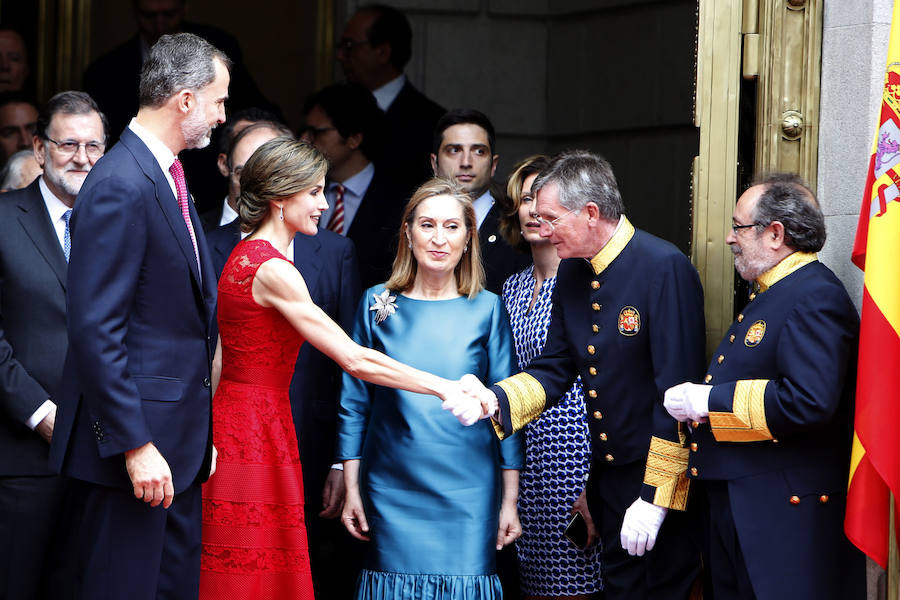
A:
(627, 317)
(771, 429)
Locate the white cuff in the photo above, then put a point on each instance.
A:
(338, 466)
(38, 416)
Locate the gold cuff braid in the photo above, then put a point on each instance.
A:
(747, 421)
(666, 466)
(526, 399)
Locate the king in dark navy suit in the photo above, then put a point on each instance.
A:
(133, 426)
(771, 427)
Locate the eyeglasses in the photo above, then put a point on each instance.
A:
(736, 228)
(70, 148)
(237, 171)
(314, 132)
(348, 45)
(551, 225)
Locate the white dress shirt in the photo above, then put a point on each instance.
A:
(228, 213)
(386, 94)
(482, 206)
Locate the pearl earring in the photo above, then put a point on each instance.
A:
(466, 249)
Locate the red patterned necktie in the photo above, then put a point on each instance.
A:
(336, 223)
(177, 172)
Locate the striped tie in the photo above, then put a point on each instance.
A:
(67, 236)
(336, 223)
(177, 172)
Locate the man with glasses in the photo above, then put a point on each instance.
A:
(770, 428)
(628, 318)
(373, 51)
(34, 250)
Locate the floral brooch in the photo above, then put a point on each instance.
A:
(385, 305)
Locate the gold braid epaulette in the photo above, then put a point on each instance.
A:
(666, 471)
(526, 399)
(747, 421)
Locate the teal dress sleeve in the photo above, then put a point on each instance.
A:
(353, 413)
(502, 363)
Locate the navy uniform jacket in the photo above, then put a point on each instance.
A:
(630, 322)
(780, 429)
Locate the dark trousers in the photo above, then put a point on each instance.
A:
(121, 547)
(725, 566)
(666, 572)
(29, 511)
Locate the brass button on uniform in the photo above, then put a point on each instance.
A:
(591, 349)
(694, 471)
(602, 437)
(708, 378)
(823, 498)
(592, 371)
(731, 338)
(752, 296)
(609, 458)
(695, 424)
(595, 306)
(595, 285)
(592, 393)
(694, 446)
(598, 415)
(595, 328)
(774, 441)
(795, 500)
(740, 317)
(721, 359)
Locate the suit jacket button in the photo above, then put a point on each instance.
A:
(795, 500)
(609, 458)
(591, 349)
(592, 393)
(595, 284)
(595, 328)
(752, 297)
(206, 382)
(602, 437)
(694, 471)
(592, 370)
(708, 378)
(598, 415)
(492, 238)
(823, 498)
(731, 339)
(721, 359)
(694, 446)
(740, 318)
(695, 424)
(595, 306)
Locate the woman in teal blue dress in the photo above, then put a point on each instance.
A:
(434, 499)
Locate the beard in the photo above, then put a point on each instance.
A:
(749, 266)
(64, 179)
(195, 130)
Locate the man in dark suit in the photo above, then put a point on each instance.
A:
(772, 425)
(463, 150)
(373, 51)
(329, 267)
(34, 243)
(133, 427)
(344, 123)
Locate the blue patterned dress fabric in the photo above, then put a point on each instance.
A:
(430, 486)
(557, 462)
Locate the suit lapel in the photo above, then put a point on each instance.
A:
(36, 223)
(306, 259)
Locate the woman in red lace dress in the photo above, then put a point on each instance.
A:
(254, 537)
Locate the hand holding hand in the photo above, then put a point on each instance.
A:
(640, 527)
(470, 401)
(688, 402)
(150, 475)
(332, 494)
(581, 506)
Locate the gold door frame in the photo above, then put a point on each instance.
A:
(779, 42)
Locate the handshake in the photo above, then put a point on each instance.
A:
(469, 401)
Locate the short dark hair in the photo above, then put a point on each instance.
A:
(17, 98)
(581, 177)
(463, 116)
(177, 62)
(70, 102)
(391, 27)
(253, 114)
(788, 200)
(352, 109)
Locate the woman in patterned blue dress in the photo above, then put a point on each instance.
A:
(557, 445)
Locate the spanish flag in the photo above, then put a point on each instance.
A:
(875, 459)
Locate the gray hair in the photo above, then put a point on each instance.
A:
(70, 102)
(177, 62)
(11, 175)
(788, 200)
(582, 177)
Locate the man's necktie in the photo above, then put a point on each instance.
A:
(67, 236)
(336, 223)
(177, 172)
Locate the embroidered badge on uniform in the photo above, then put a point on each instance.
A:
(755, 334)
(629, 321)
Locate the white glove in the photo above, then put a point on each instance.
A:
(688, 402)
(473, 403)
(640, 526)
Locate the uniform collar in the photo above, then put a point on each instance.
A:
(788, 265)
(620, 238)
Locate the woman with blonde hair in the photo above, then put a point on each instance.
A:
(557, 445)
(435, 499)
(254, 537)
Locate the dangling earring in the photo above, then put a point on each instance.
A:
(409, 244)
(466, 249)
(281, 216)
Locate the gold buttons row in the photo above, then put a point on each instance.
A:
(823, 499)
(598, 415)
(596, 306)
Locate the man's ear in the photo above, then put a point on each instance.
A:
(222, 163)
(776, 240)
(434, 169)
(37, 146)
(354, 141)
(593, 211)
(494, 161)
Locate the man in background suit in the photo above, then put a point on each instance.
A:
(34, 243)
(373, 51)
(329, 267)
(344, 123)
(133, 427)
(18, 118)
(463, 150)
